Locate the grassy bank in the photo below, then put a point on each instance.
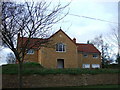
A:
(35, 68)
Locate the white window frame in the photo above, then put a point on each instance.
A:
(85, 65)
(95, 65)
(60, 48)
(31, 51)
(96, 55)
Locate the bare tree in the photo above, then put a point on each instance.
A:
(0, 28)
(102, 46)
(113, 38)
(31, 20)
(118, 33)
(10, 58)
(118, 58)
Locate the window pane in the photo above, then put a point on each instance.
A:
(60, 47)
(57, 49)
(86, 65)
(30, 51)
(95, 55)
(95, 66)
(85, 55)
(63, 47)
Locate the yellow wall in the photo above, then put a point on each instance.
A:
(88, 60)
(50, 56)
(47, 57)
(32, 57)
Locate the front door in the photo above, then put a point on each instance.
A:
(60, 63)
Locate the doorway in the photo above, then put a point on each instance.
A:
(60, 63)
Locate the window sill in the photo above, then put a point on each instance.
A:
(95, 57)
(60, 51)
(30, 53)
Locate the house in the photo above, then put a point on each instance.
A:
(64, 53)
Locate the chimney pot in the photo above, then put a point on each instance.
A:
(74, 40)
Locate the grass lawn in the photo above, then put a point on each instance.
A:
(36, 68)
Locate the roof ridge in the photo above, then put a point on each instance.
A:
(83, 44)
(64, 33)
(34, 38)
(87, 48)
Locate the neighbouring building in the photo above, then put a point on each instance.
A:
(64, 53)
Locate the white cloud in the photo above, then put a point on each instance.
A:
(3, 55)
(85, 27)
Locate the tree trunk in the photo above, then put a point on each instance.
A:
(20, 67)
(119, 60)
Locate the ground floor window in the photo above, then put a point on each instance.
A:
(95, 66)
(60, 63)
(86, 66)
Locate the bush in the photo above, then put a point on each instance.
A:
(112, 66)
(10, 69)
(32, 64)
(36, 68)
(13, 68)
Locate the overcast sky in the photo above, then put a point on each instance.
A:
(85, 28)
(78, 23)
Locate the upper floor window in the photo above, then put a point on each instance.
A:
(85, 55)
(60, 47)
(31, 51)
(95, 55)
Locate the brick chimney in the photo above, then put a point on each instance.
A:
(74, 40)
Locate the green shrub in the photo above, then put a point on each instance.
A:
(10, 69)
(13, 68)
(70, 71)
(113, 66)
(32, 64)
(36, 68)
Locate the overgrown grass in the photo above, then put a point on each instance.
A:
(36, 68)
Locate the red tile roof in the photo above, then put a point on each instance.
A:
(34, 42)
(87, 48)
